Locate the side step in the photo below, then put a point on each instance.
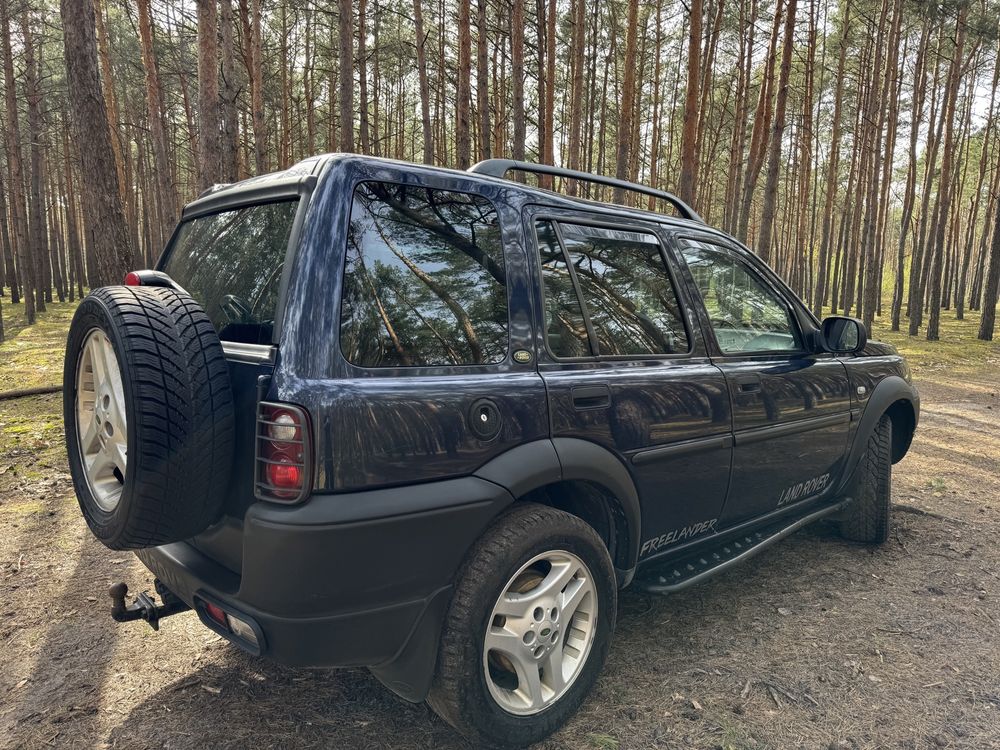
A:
(676, 575)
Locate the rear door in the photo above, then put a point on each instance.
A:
(791, 405)
(625, 367)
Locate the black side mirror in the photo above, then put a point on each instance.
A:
(842, 335)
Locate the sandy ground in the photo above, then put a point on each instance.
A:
(816, 643)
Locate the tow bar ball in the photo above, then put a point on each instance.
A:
(144, 607)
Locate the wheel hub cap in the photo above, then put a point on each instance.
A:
(540, 632)
(102, 428)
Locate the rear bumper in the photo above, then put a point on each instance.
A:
(343, 580)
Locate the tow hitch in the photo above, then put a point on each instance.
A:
(144, 607)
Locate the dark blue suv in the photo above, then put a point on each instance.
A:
(369, 413)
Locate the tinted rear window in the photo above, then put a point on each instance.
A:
(231, 262)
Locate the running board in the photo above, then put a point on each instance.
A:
(676, 575)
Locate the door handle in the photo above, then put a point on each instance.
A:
(591, 396)
(748, 383)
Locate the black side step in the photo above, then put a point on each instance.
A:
(678, 574)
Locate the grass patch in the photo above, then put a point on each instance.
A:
(31, 356)
(958, 351)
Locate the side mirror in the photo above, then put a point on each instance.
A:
(842, 335)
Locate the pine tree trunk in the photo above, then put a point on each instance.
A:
(517, 78)
(346, 76)
(761, 131)
(425, 93)
(992, 283)
(627, 108)
(167, 198)
(482, 81)
(104, 214)
(692, 99)
(909, 196)
(19, 207)
(944, 189)
(208, 94)
(774, 157)
(463, 93)
(577, 44)
(36, 204)
(229, 168)
(362, 64)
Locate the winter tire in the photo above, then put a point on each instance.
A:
(148, 414)
(867, 518)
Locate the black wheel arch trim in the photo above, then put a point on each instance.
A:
(533, 465)
(889, 391)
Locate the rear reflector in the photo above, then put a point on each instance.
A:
(132, 279)
(216, 613)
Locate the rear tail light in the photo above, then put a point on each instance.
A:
(283, 468)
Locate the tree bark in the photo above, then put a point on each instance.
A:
(19, 207)
(992, 284)
(944, 189)
(463, 92)
(517, 79)
(625, 114)
(103, 210)
(167, 199)
(209, 154)
(774, 157)
(692, 99)
(36, 201)
(229, 167)
(425, 93)
(346, 96)
(482, 81)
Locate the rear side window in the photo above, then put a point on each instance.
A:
(231, 263)
(614, 280)
(424, 279)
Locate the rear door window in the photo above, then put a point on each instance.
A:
(231, 262)
(424, 279)
(607, 293)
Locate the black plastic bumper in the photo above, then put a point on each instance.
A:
(359, 579)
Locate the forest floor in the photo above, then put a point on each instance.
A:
(815, 643)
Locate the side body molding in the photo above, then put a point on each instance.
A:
(533, 465)
(890, 390)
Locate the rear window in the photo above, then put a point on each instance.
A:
(231, 263)
(424, 279)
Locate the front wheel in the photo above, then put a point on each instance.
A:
(528, 629)
(867, 518)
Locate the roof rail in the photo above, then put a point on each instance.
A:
(500, 167)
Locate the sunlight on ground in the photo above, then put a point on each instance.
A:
(32, 355)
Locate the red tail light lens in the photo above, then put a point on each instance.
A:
(132, 279)
(284, 453)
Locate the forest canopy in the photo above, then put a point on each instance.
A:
(851, 143)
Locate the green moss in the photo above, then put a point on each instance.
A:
(31, 356)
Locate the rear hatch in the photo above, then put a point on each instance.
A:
(233, 260)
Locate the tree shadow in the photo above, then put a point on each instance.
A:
(242, 701)
(70, 662)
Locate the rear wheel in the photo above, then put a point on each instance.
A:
(148, 415)
(867, 518)
(528, 629)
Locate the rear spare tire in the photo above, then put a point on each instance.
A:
(148, 413)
